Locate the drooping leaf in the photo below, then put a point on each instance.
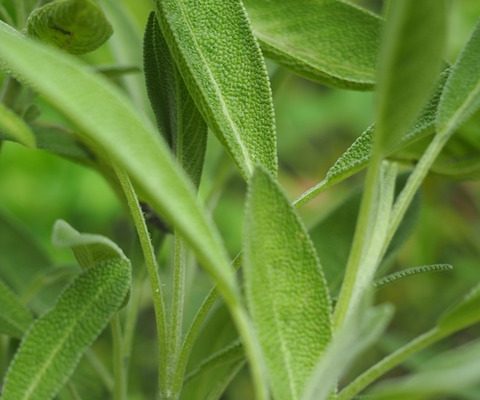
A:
(223, 69)
(409, 63)
(54, 344)
(461, 97)
(328, 41)
(177, 116)
(462, 314)
(286, 291)
(77, 26)
(13, 127)
(404, 273)
(15, 318)
(116, 130)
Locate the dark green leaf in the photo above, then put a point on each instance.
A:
(286, 291)
(328, 41)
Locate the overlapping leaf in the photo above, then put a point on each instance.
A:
(15, 128)
(286, 290)
(329, 41)
(15, 318)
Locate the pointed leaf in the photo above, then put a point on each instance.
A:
(129, 140)
(461, 97)
(409, 64)
(15, 128)
(224, 71)
(286, 290)
(177, 116)
(15, 318)
(328, 41)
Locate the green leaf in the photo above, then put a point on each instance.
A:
(177, 116)
(224, 71)
(446, 373)
(461, 97)
(463, 314)
(410, 60)
(53, 346)
(77, 26)
(404, 273)
(286, 291)
(357, 335)
(328, 41)
(15, 318)
(15, 128)
(113, 128)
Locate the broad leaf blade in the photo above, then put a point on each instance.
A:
(15, 128)
(54, 344)
(409, 64)
(286, 290)
(461, 97)
(223, 69)
(15, 318)
(119, 132)
(328, 41)
(177, 116)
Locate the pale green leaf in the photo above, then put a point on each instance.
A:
(129, 140)
(286, 290)
(54, 344)
(15, 318)
(177, 116)
(461, 97)
(462, 314)
(410, 60)
(328, 41)
(224, 71)
(77, 26)
(15, 128)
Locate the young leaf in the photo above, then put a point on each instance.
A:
(286, 291)
(224, 71)
(410, 60)
(177, 116)
(463, 314)
(15, 128)
(77, 26)
(15, 318)
(461, 97)
(119, 132)
(329, 41)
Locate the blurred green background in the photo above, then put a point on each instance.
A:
(315, 124)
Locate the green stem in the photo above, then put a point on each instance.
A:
(120, 385)
(10, 90)
(154, 278)
(73, 391)
(390, 362)
(102, 372)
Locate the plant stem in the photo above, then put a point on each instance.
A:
(390, 362)
(102, 372)
(120, 386)
(9, 93)
(154, 278)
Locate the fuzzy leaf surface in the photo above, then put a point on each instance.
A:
(409, 63)
(286, 290)
(15, 318)
(223, 69)
(328, 41)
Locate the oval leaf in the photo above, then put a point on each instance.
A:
(461, 97)
(106, 120)
(224, 71)
(410, 60)
(15, 128)
(328, 41)
(285, 286)
(15, 318)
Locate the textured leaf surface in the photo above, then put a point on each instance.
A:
(77, 26)
(15, 128)
(223, 68)
(118, 131)
(286, 290)
(409, 64)
(15, 318)
(461, 97)
(329, 41)
(177, 116)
